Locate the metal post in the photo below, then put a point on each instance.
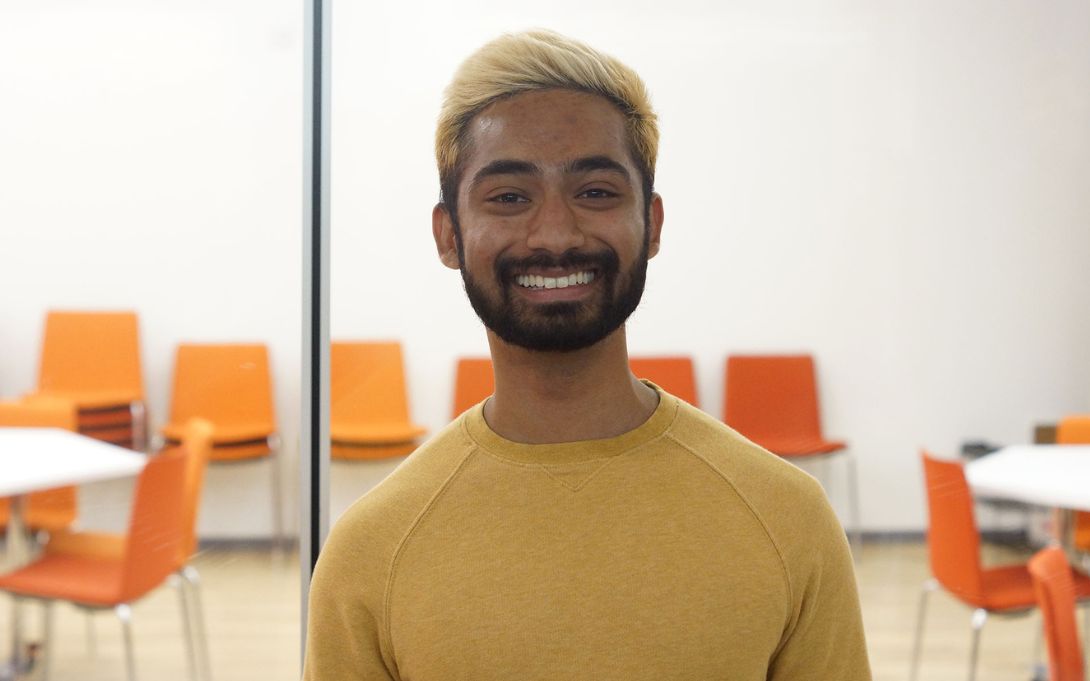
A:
(314, 431)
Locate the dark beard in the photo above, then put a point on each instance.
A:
(561, 326)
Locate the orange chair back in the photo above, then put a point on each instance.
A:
(1055, 589)
(367, 383)
(87, 352)
(473, 382)
(675, 375)
(770, 397)
(952, 538)
(156, 533)
(49, 509)
(197, 445)
(227, 385)
(1073, 430)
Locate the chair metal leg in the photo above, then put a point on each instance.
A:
(921, 614)
(17, 651)
(1086, 636)
(1037, 663)
(92, 643)
(138, 412)
(124, 613)
(47, 639)
(980, 616)
(277, 496)
(193, 578)
(187, 624)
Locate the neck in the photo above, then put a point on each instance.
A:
(549, 397)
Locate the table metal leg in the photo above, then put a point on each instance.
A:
(17, 555)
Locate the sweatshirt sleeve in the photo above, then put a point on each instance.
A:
(345, 618)
(825, 638)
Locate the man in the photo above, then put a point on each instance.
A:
(580, 523)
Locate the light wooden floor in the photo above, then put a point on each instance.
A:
(252, 606)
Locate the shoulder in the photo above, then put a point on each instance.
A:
(388, 511)
(786, 500)
(752, 470)
(364, 540)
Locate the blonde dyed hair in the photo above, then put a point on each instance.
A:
(540, 60)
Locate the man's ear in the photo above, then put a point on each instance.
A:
(442, 229)
(656, 216)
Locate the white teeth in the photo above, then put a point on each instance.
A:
(539, 281)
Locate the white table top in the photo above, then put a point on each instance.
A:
(1048, 475)
(33, 459)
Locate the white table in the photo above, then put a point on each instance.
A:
(1046, 475)
(34, 459)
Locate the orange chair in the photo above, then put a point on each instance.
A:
(773, 401)
(474, 381)
(1055, 589)
(675, 375)
(1075, 430)
(150, 554)
(230, 386)
(93, 359)
(369, 409)
(953, 545)
(49, 510)
(197, 444)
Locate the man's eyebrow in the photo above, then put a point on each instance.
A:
(589, 163)
(505, 166)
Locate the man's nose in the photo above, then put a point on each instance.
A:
(555, 228)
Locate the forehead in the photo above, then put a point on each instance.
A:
(548, 127)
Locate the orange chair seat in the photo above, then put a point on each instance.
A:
(90, 581)
(1011, 588)
(119, 417)
(225, 434)
(94, 544)
(93, 399)
(375, 433)
(109, 433)
(351, 452)
(800, 446)
(238, 451)
(49, 510)
(48, 519)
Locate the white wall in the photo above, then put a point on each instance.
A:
(899, 188)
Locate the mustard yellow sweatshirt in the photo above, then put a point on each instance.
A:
(677, 551)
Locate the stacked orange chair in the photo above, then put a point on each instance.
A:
(197, 445)
(1054, 587)
(1075, 430)
(93, 360)
(369, 404)
(953, 544)
(49, 510)
(773, 401)
(149, 556)
(474, 381)
(230, 386)
(675, 375)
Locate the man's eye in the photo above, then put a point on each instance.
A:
(598, 194)
(508, 197)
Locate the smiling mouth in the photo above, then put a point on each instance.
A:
(538, 282)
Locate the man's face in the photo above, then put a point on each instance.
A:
(552, 235)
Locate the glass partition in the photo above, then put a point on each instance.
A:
(152, 166)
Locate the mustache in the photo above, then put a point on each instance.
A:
(605, 262)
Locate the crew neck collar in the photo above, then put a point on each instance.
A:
(571, 452)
